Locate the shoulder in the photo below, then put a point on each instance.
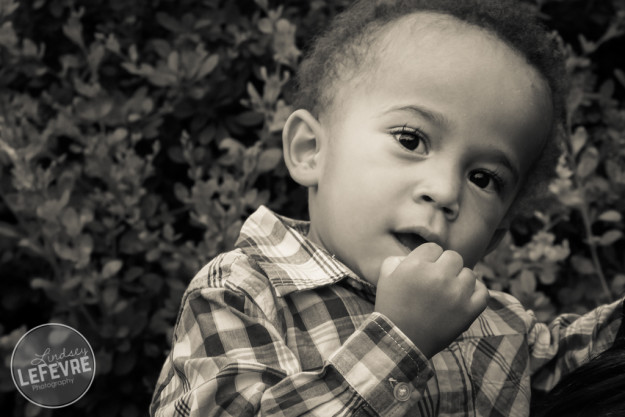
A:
(234, 272)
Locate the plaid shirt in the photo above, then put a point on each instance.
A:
(279, 327)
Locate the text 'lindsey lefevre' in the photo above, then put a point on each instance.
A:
(48, 367)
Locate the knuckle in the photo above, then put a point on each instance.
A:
(453, 258)
(432, 248)
(453, 255)
(469, 272)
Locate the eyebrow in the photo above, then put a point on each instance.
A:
(441, 120)
(433, 116)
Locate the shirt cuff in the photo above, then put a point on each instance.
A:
(383, 366)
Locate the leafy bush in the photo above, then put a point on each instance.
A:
(568, 257)
(135, 137)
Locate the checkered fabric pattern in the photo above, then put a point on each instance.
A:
(279, 327)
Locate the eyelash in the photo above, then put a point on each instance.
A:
(498, 181)
(415, 135)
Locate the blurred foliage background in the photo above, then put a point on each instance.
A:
(136, 136)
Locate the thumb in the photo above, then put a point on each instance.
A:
(388, 266)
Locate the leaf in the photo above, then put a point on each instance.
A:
(49, 210)
(41, 284)
(611, 216)
(269, 159)
(64, 251)
(263, 4)
(86, 89)
(133, 54)
(265, 26)
(7, 7)
(94, 110)
(144, 70)
(207, 66)
(173, 61)
(8, 230)
(84, 243)
(578, 139)
(588, 47)
(71, 221)
(130, 243)
(118, 135)
(620, 76)
(523, 285)
(615, 172)
(618, 285)
(169, 23)
(111, 268)
(181, 192)
(72, 283)
(286, 51)
(112, 44)
(96, 54)
(610, 237)
(234, 150)
(527, 279)
(582, 265)
(249, 118)
(607, 90)
(110, 295)
(588, 162)
(29, 49)
(162, 78)
(566, 194)
(73, 29)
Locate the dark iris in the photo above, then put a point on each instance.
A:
(480, 179)
(409, 141)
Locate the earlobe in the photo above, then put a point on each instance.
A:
(301, 143)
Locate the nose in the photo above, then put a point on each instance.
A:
(444, 195)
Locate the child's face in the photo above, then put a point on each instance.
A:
(433, 144)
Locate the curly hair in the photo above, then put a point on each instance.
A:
(597, 388)
(344, 48)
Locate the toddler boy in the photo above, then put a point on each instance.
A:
(420, 126)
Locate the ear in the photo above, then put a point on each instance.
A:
(499, 234)
(302, 138)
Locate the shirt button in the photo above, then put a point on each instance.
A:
(402, 391)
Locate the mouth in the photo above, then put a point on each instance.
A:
(410, 241)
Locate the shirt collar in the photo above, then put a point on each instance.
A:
(279, 246)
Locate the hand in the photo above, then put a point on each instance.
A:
(430, 296)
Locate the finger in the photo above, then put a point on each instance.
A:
(480, 297)
(452, 262)
(466, 281)
(428, 252)
(389, 265)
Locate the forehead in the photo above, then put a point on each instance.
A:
(425, 38)
(457, 70)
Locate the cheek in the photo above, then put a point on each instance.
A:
(473, 239)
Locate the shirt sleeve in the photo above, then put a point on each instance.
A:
(230, 358)
(570, 341)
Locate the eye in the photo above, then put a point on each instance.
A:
(411, 139)
(487, 180)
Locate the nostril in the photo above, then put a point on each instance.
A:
(450, 210)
